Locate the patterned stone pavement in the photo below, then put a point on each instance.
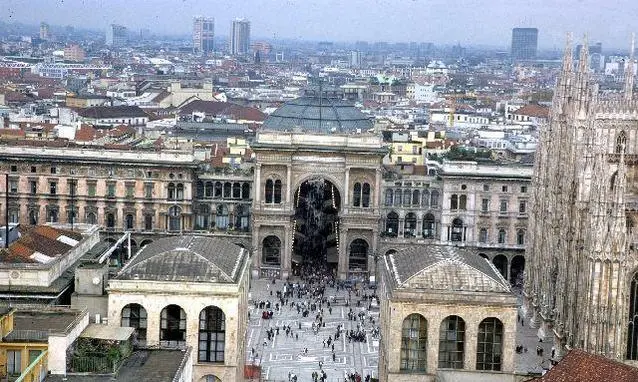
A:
(286, 354)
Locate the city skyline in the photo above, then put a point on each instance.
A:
(382, 20)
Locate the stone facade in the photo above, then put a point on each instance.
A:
(581, 279)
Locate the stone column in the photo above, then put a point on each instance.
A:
(342, 267)
(471, 333)
(346, 189)
(536, 319)
(288, 185)
(257, 184)
(286, 261)
(377, 188)
(256, 250)
(152, 325)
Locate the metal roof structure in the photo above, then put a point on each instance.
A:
(318, 111)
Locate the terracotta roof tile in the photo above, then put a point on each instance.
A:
(533, 110)
(580, 366)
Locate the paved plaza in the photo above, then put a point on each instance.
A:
(285, 354)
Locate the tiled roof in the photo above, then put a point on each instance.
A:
(41, 239)
(186, 258)
(99, 112)
(229, 109)
(580, 366)
(87, 133)
(444, 267)
(533, 110)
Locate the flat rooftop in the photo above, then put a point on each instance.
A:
(35, 324)
(142, 366)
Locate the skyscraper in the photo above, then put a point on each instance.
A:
(239, 37)
(116, 35)
(203, 34)
(524, 43)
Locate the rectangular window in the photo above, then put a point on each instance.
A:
(523, 189)
(14, 168)
(14, 362)
(503, 208)
(53, 188)
(522, 207)
(504, 189)
(110, 190)
(486, 187)
(13, 186)
(91, 189)
(33, 187)
(130, 191)
(34, 169)
(54, 170)
(485, 205)
(148, 222)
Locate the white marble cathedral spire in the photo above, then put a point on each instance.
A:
(629, 71)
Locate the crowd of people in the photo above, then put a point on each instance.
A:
(308, 297)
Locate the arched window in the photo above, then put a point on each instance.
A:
(397, 197)
(358, 255)
(632, 326)
(33, 218)
(389, 195)
(392, 223)
(212, 334)
(110, 220)
(210, 378)
(271, 251)
(410, 225)
(245, 191)
(218, 189)
(457, 230)
(489, 345)
(134, 316)
(174, 218)
(407, 197)
(500, 262)
(429, 226)
(173, 326)
(425, 198)
(180, 191)
(483, 235)
(416, 197)
(501, 236)
(268, 192)
(463, 202)
(356, 195)
(365, 195)
(414, 338)
(454, 202)
(434, 199)
(612, 180)
(621, 143)
(200, 191)
(221, 218)
(517, 269)
(236, 190)
(201, 219)
(452, 343)
(520, 237)
(208, 190)
(171, 191)
(227, 190)
(130, 221)
(277, 192)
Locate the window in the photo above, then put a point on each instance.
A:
(522, 207)
(201, 217)
(227, 190)
(180, 191)
(273, 191)
(397, 197)
(134, 316)
(110, 190)
(13, 186)
(173, 326)
(34, 169)
(434, 199)
(632, 326)
(429, 227)
(174, 219)
(452, 343)
(52, 214)
(523, 189)
(454, 202)
(221, 218)
(245, 191)
(483, 235)
(130, 190)
(91, 218)
(389, 196)
(242, 217)
(130, 221)
(503, 207)
(365, 195)
(425, 198)
(33, 217)
(416, 197)
(54, 170)
(410, 225)
(414, 338)
(14, 168)
(277, 191)
(485, 205)
(457, 230)
(14, 362)
(356, 195)
(110, 220)
(520, 237)
(91, 189)
(361, 195)
(53, 188)
(489, 345)
(171, 191)
(501, 236)
(212, 334)
(236, 190)
(358, 259)
(392, 223)
(218, 190)
(148, 222)
(621, 143)
(504, 188)
(271, 250)
(148, 190)
(486, 187)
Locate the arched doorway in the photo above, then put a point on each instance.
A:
(271, 251)
(358, 258)
(500, 262)
(316, 222)
(516, 271)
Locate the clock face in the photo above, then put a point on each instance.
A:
(96, 280)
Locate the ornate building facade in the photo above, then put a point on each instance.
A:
(581, 281)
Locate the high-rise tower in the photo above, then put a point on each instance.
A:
(581, 281)
(524, 43)
(203, 34)
(240, 37)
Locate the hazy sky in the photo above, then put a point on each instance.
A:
(438, 21)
